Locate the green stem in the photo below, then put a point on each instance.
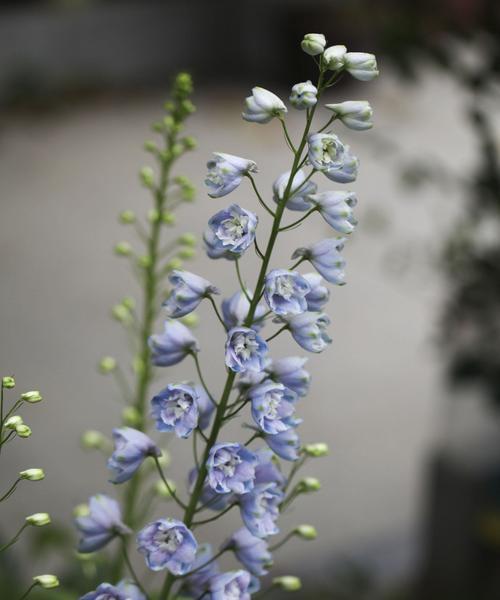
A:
(259, 197)
(276, 334)
(14, 539)
(298, 221)
(240, 280)
(295, 265)
(212, 301)
(209, 562)
(126, 558)
(10, 491)
(217, 516)
(26, 593)
(167, 485)
(283, 542)
(202, 380)
(287, 137)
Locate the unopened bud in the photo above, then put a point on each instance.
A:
(93, 440)
(32, 397)
(306, 532)
(189, 143)
(23, 431)
(128, 302)
(150, 146)
(123, 249)
(183, 84)
(153, 216)
(32, 474)
(127, 217)
(162, 490)
(191, 320)
(164, 459)
(13, 422)
(107, 364)
(289, 583)
(173, 264)
(168, 218)
(188, 107)
(177, 149)
(8, 382)
(186, 252)
(131, 416)
(47, 582)
(316, 450)
(121, 313)
(81, 510)
(308, 484)
(38, 519)
(313, 43)
(188, 239)
(144, 261)
(147, 177)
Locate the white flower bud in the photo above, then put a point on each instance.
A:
(38, 519)
(188, 239)
(333, 57)
(23, 430)
(313, 43)
(13, 422)
(32, 397)
(289, 583)
(306, 532)
(47, 582)
(123, 249)
(308, 484)
(361, 65)
(262, 106)
(81, 510)
(127, 217)
(131, 416)
(355, 114)
(32, 474)
(316, 450)
(8, 382)
(303, 95)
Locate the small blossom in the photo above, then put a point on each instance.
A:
(326, 259)
(173, 345)
(245, 350)
(262, 106)
(290, 372)
(210, 499)
(336, 209)
(309, 330)
(167, 544)
(102, 523)
(355, 114)
(285, 292)
(260, 509)
(13, 422)
(319, 294)
(233, 585)
(204, 568)
(286, 445)
(251, 551)
(230, 232)
(235, 310)
(231, 468)
(125, 590)
(176, 409)
(32, 397)
(298, 197)
(188, 291)
(308, 485)
(131, 448)
(225, 173)
(316, 450)
(361, 65)
(333, 57)
(272, 406)
(313, 43)
(303, 95)
(330, 156)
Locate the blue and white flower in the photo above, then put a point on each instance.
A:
(260, 509)
(262, 106)
(226, 172)
(285, 292)
(326, 259)
(251, 551)
(286, 445)
(231, 468)
(291, 373)
(187, 293)
(233, 585)
(131, 448)
(336, 209)
(272, 406)
(319, 294)
(267, 469)
(167, 544)
(245, 350)
(176, 409)
(235, 310)
(125, 590)
(173, 345)
(361, 65)
(230, 232)
(313, 43)
(208, 498)
(298, 197)
(330, 156)
(309, 330)
(355, 114)
(303, 95)
(334, 56)
(102, 523)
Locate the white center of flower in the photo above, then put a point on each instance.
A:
(284, 286)
(232, 591)
(228, 463)
(273, 403)
(244, 346)
(169, 540)
(329, 151)
(233, 228)
(183, 403)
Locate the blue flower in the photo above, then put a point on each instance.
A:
(286, 445)
(205, 407)
(235, 310)
(231, 468)
(233, 585)
(309, 330)
(230, 232)
(176, 409)
(326, 259)
(285, 292)
(189, 290)
(330, 156)
(101, 525)
(336, 209)
(245, 350)
(208, 498)
(298, 197)
(167, 544)
(197, 583)
(262, 106)
(225, 173)
(260, 509)
(290, 372)
(125, 590)
(319, 294)
(267, 469)
(131, 448)
(173, 345)
(251, 551)
(272, 406)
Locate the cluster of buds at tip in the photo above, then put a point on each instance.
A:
(8, 382)
(38, 519)
(47, 582)
(288, 583)
(32, 474)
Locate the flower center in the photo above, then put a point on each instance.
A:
(169, 540)
(233, 229)
(228, 463)
(232, 591)
(273, 404)
(244, 346)
(183, 402)
(329, 152)
(284, 286)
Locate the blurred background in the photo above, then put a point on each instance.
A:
(408, 395)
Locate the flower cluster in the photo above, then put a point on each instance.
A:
(256, 475)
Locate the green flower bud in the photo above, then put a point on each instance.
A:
(186, 252)
(47, 582)
(38, 519)
(32, 397)
(121, 313)
(308, 484)
(32, 474)
(189, 143)
(107, 364)
(147, 177)
(306, 532)
(173, 264)
(8, 382)
(168, 122)
(289, 583)
(127, 217)
(164, 459)
(183, 84)
(81, 510)
(188, 239)
(316, 450)
(188, 107)
(23, 431)
(177, 150)
(153, 216)
(169, 106)
(181, 180)
(157, 127)
(191, 320)
(123, 249)
(161, 489)
(168, 218)
(150, 146)
(93, 440)
(128, 302)
(131, 416)
(13, 422)
(144, 261)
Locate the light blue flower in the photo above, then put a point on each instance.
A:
(231, 468)
(188, 291)
(290, 372)
(225, 173)
(298, 197)
(361, 65)
(167, 544)
(285, 292)
(131, 448)
(173, 345)
(309, 330)
(101, 525)
(233, 585)
(267, 469)
(326, 259)
(262, 106)
(336, 209)
(208, 498)
(251, 551)
(197, 583)
(260, 509)
(272, 406)
(176, 409)
(286, 445)
(230, 232)
(245, 350)
(125, 590)
(330, 156)
(355, 114)
(319, 294)
(235, 310)
(303, 95)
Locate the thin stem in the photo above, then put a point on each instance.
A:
(257, 249)
(1, 415)
(212, 301)
(332, 119)
(252, 438)
(259, 197)
(26, 593)
(298, 465)
(298, 221)
(217, 516)
(195, 449)
(235, 412)
(202, 380)
(283, 542)
(287, 137)
(167, 485)
(126, 558)
(276, 334)
(12, 409)
(11, 490)
(295, 265)
(15, 538)
(209, 562)
(240, 280)
(122, 383)
(7, 438)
